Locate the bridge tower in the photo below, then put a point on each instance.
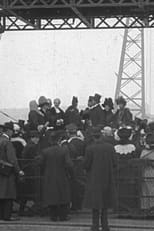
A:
(131, 74)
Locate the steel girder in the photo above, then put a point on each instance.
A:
(131, 75)
(28, 4)
(74, 14)
(17, 23)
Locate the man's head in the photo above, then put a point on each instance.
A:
(108, 104)
(107, 131)
(91, 101)
(96, 133)
(71, 130)
(121, 102)
(34, 137)
(8, 129)
(54, 137)
(57, 102)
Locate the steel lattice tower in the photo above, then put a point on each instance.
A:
(131, 82)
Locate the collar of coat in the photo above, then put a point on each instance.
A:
(20, 140)
(41, 112)
(5, 135)
(74, 137)
(57, 110)
(96, 105)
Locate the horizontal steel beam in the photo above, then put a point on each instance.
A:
(27, 4)
(16, 23)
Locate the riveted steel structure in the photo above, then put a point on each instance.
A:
(131, 76)
(74, 14)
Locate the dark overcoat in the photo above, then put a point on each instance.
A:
(56, 188)
(36, 118)
(123, 117)
(54, 116)
(100, 189)
(30, 188)
(97, 116)
(109, 118)
(8, 183)
(72, 115)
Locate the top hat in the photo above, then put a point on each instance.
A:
(97, 98)
(74, 100)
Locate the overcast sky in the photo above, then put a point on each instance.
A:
(60, 64)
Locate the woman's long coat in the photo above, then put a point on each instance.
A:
(100, 190)
(8, 183)
(56, 188)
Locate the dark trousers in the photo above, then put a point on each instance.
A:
(5, 208)
(76, 195)
(95, 220)
(60, 211)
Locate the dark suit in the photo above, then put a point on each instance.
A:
(123, 117)
(56, 191)
(72, 115)
(7, 183)
(36, 118)
(100, 190)
(109, 118)
(53, 117)
(77, 149)
(97, 116)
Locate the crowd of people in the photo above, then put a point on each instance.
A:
(77, 155)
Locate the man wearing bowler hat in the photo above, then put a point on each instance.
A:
(7, 183)
(76, 147)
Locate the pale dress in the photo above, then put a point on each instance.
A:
(147, 186)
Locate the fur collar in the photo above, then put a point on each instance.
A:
(125, 149)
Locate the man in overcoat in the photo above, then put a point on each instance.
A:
(72, 114)
(100, 194)
(76, 147)
(29, 189)
(56, 191)
(7, 183)
(96, 112)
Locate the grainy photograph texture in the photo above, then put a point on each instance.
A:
(76, 115)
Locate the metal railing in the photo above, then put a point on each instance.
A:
(134, 181)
